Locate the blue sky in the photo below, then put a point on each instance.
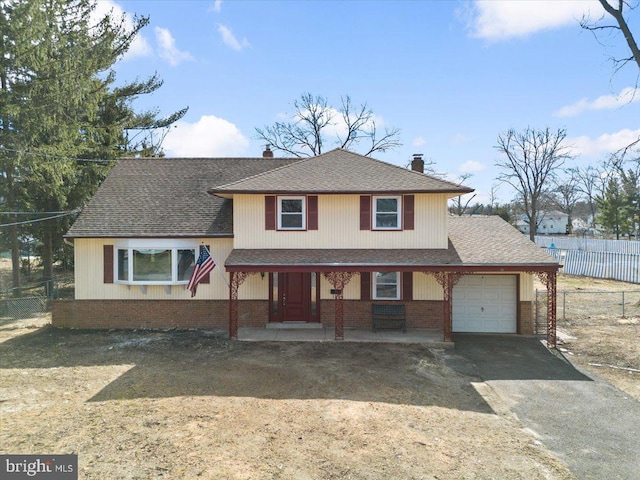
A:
(451, 75)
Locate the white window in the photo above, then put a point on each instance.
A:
(291, 213)
(386, 285)
(154, 262)
(386, 213)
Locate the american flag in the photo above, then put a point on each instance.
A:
(202, 268)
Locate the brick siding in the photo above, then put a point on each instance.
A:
(525, 318)
(214, 314)
(203, 314)
(357, 313)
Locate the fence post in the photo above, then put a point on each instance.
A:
(623, 304)
(536, 312)
(564, 306)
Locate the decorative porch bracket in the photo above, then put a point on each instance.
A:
(447, 281)
(338, 281)
(237, 278)
(549, 281)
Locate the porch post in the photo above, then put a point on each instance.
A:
(549, 280)
(551, 309)
(447, 280)
(237, 278)
(338, 281)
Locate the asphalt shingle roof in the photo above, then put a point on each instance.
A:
(473, 241)
(156, 197)
(340, 171)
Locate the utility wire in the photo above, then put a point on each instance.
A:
(36, 213)
(39, 219)
(59, 157)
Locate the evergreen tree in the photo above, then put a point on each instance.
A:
(58, 103)
(611, 204)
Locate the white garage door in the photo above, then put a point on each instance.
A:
(485, 303)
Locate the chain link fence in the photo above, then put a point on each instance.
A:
(31, 301)
(587, 307)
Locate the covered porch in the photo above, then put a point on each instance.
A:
(340, 267)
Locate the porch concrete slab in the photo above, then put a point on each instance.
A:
(432, 337)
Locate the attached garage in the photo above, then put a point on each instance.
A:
(486, 304)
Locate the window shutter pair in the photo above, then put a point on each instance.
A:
(408, 202)
(107, 261)
(407, 286)
(271, 212)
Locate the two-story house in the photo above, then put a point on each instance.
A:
(315, 240)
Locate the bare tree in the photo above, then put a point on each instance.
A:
(459, 206)
(532, 158)
(589, 184)
(315, 122)
(615, 10)
(616, 22)
(566, 195)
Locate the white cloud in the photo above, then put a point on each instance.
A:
(502, 19)
(210, 136)
(605, 102)
(418, 142)
(217, 6)
(230, 40)
(167, 48)
(471, 166)
(140, 46)
(605, 143)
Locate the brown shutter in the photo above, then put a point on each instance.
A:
(407, 286)
(312, 212)
(365, 212)
(269, 212)
(206, 279)
(365, 285)
(408, 207)
(107, 261)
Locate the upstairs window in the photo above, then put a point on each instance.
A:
(291, 213)
(386, 213)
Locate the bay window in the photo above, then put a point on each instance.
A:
(154, 262)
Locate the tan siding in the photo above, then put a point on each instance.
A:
(425, 287)
(339, 227)
(526, 287)
(254, 288)
(351, 291)
(89, 275)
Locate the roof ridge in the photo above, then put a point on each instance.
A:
(257, 175)
(413, 172)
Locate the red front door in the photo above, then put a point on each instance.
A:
(296, 296)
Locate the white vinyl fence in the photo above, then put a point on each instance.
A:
(624, 267)
(590, 244)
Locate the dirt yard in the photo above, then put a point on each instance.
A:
(182, 405)
(139, 405)
(595, 336)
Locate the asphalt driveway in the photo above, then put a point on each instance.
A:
(592, 426)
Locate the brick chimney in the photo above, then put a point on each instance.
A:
(417, 164)
(267, 152)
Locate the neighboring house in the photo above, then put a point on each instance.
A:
(315, 240)
(552, 222)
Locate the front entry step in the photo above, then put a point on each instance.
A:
(294, 325)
